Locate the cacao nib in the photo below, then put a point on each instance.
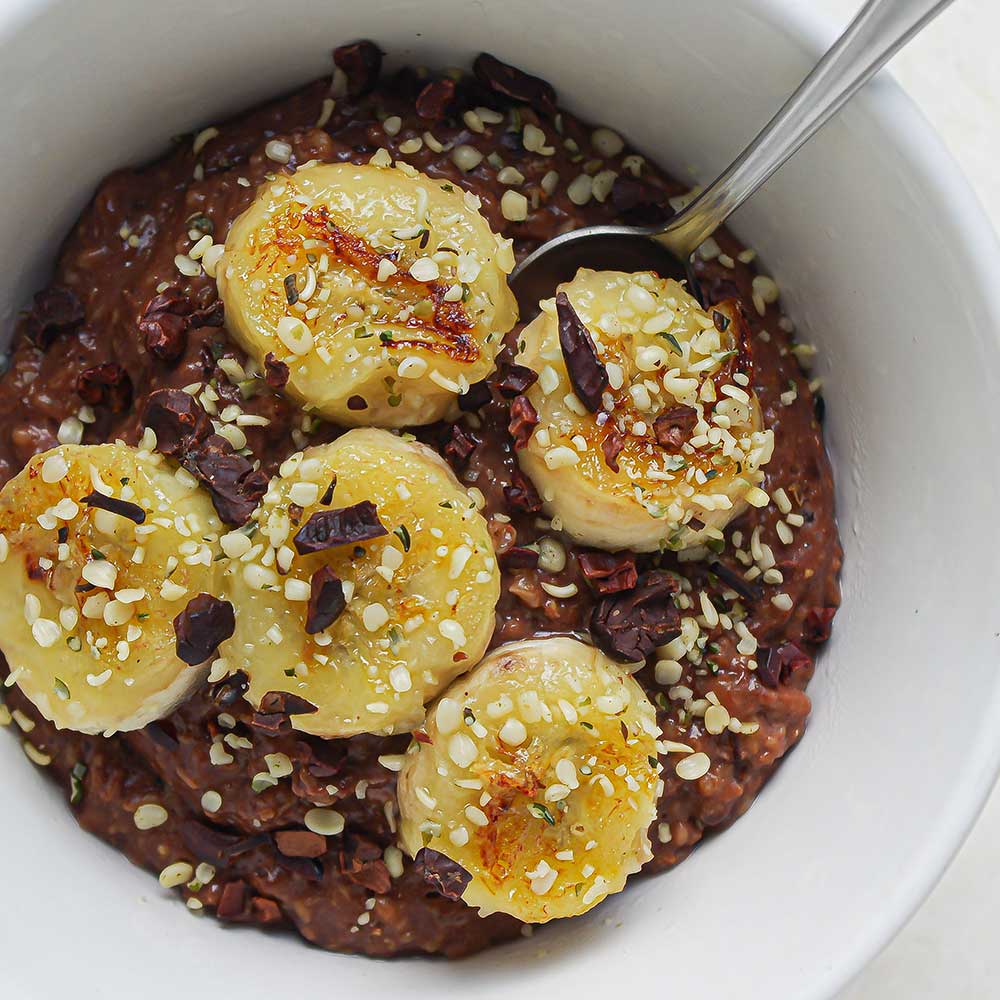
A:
(520, 557)
(639, 203)
(460, 446)
(327, 529)
(734, 580)
(586, 371)
(432, 102)
(629, 626)
(300, 843)
(165, 335)
(234, 484)
(311, 869)
(521, 494)
(231, 689)
(170, 300)
(327, 496)
(124, 508)
(177, 419)
(674, 426)
(164, 324)
(210, 315)
(286, 703)
(609, 572)
(444, 876)
(232, 901)
(53, 311)
(201, 626)
(326, 600)
(207, 843)
(361, 62)
(271, 722)
(777, 664)
(816, 627)
(275, 372)
(713, 287)
(162, 734)
(612, 446)
(107, 384)
(523, 420)
(516, 380)
(476, 398)
(361, 861)
(515, 84)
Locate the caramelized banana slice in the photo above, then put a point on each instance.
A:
(649, 433)
(383, 291)
(370, 584)
(539, 777)
(103, 546)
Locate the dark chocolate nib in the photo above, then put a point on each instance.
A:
(630, 625)
(514, 84)
(123, 507)
(445, 876)
(326, 600)
(201, 626)
(343, 526)
(586, 372)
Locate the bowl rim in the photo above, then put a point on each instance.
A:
(924, 150)
(909, 131)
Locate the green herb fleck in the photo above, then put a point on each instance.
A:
(262, 781)
(76, 776)
(404, 536)
(674, 343)
(541, 811)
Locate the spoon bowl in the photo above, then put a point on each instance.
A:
(602, 248)
(879, 30)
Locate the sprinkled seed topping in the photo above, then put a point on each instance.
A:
(514, 206)
(149, 816)
(327, 822)
(693, 767)
(176, 874)
(211, 802)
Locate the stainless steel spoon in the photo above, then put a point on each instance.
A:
(879, 30)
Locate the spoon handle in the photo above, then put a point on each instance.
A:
(879, 30)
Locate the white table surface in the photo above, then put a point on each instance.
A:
(951, 949)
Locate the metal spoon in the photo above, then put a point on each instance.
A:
(879, 30)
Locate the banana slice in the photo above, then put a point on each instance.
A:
(383, 291)
(370, 584)
(649, 433)
(539, 778)
(102, 546)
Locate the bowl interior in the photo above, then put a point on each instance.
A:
(886, 266)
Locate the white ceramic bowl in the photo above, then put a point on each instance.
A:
(887, 264)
